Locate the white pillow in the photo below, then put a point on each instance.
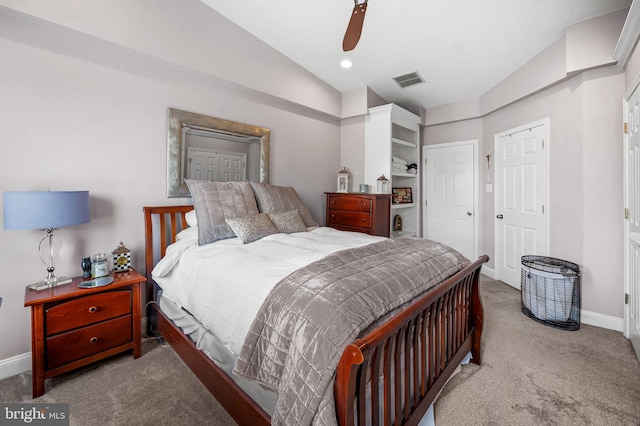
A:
(191, 218)
(187, 234)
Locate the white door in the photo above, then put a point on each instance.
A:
(632, 224)
(520, 198)
(450, 193)
(202, 164)
(233, 167)
(213, 166)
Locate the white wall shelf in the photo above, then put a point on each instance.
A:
(391, 131)
(402, 206)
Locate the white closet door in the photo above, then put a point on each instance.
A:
(450, 182)
(521, 193)
(632, 224)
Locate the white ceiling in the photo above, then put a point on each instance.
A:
(462, 48)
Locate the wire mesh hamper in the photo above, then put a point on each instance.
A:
(551, 291)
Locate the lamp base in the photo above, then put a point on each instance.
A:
(49, 283)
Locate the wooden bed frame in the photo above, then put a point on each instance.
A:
(415, 352)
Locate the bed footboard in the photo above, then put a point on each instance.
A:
(413, 355)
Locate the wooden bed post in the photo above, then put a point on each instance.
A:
(477, 316)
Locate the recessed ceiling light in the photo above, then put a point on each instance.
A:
(346, 63)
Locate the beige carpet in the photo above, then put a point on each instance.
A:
(532, 375)
(156, 389)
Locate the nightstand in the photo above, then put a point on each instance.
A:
(366, 213)
(72, 327)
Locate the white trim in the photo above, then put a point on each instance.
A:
(625, 204)
(15, 365)
(628, 36)
(476, 192)
(547, 147)
(490, 272)
(601, 320)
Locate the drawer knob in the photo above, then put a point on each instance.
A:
(364, 220)
(93, 340)
(333, 216)
(333, 201)
(93, 309)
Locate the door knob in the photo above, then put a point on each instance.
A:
(500, 216)
(469, 213)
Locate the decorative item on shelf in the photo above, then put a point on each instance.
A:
(382, 185)
(48, 210)
(343, 180)
(99, 265)
(121, 258)
(86, 267)
(364, 188)
(397, 223)
(401, 196)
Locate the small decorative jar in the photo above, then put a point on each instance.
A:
(383, 185)
(99, 265)
(121, 258)
(343, 180)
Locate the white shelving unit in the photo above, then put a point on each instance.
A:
(391, 131)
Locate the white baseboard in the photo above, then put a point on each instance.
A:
(15, 365)
(601, 320)
(488, 272)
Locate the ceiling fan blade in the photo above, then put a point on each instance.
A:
(354, 29)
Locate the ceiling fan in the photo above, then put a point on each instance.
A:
(354, 29)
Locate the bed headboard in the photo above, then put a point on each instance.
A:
(163, 222)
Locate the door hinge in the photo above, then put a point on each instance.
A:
(543, 209)
(542, 143)
(625, 127)
(626, 298)
(626, 213)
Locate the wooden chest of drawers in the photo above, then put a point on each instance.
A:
(366, 213)
(72, 327)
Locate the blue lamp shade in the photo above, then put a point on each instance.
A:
(45, 210)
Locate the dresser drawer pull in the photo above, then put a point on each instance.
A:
(364, 220)
(93, 340)
(93, 309)
(333, 201)
(333, 216)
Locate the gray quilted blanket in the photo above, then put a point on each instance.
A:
(297, 338)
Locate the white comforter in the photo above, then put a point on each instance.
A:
(224, 283)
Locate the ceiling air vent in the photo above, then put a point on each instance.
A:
(407, 80)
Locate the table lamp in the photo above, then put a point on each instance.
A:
(47, 211)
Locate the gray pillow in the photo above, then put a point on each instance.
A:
(288, 222)
(280, 199)
(216, 201)
(252, 228)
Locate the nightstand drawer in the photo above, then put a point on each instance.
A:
(341, 217)
(87, 310)
(74, 345)
(349, 203)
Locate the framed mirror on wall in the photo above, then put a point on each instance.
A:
(210, 148)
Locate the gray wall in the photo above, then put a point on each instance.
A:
(585, 151)
(83, 112)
